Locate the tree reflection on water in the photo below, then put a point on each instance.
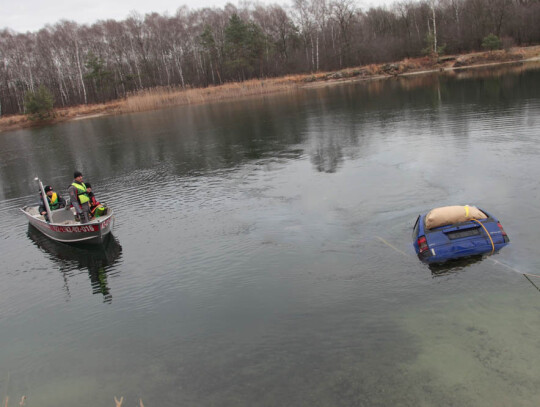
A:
(97, 259)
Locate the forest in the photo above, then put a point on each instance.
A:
(108, 60)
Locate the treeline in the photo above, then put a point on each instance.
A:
(82, 64)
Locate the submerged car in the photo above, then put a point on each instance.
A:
(454, 232)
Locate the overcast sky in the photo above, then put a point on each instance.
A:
(32, 15)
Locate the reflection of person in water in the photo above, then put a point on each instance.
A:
(98, 278)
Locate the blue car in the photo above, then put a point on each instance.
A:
(463, 238)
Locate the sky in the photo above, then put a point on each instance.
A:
(32, 15)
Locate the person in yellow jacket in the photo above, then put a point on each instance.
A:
(55, 201)
(78, 197)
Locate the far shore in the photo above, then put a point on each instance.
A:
(158, 98)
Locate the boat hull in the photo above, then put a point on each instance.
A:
(93, 232)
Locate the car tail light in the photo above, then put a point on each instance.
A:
(505, 236)
(422, 244)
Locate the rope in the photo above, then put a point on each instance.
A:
(513, 269)
(391, 246)
(526, 275)
(488, 234)
(530, 281)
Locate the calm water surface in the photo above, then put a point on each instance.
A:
(262, 252)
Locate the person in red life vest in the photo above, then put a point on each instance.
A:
(96, 209)
(79, 198)
(55, 202)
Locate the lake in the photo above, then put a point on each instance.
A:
(262, 251)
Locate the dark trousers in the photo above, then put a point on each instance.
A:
(85, 215)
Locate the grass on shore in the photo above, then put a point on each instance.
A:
(160, 97)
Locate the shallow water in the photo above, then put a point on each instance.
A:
(262, 251)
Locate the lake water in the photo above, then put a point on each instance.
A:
(262, 251)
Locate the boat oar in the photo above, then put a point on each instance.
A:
(45, 200)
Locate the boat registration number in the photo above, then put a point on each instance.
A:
(71, 229)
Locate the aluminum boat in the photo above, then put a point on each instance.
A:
(64, 226)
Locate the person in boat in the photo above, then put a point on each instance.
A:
(96, 208)
(55, 201)
(78, 196)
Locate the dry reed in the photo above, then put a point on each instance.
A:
(21, 403)
(119, 402)
(157, 98)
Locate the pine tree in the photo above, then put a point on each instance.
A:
(244, 47)
(491, 42)
(39, 104)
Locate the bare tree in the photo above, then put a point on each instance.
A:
(109, 59)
